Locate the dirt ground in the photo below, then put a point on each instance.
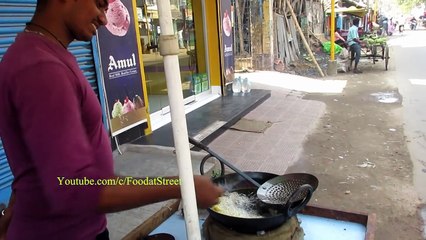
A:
(360, 156)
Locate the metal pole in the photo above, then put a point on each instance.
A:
(169, 49)
(375, 11)
(332, 30)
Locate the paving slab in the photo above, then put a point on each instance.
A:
(292, 118)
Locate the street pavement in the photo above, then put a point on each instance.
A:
(279, 146)
(291, 119)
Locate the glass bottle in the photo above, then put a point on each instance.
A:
(236, 85)
(246, 85)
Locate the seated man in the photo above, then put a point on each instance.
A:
(354, 44)
(339, 40)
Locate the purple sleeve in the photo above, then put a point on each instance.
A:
(47, 99)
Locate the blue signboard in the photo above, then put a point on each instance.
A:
(121, 67)
(227, 33)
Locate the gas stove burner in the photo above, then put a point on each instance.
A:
(290, 230)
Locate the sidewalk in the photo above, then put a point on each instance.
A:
(290, 117)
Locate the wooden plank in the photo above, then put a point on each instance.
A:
(153, 222)
(278, 6)
(305, 43)
(285, 41)
(293, 57)
(280, 37)
(283, 12)
(276, 48)
(289, 42)
(294, 33)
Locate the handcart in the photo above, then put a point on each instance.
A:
(375, 48)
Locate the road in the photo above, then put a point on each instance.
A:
(410, 68)
(410, 62)
(368, 150)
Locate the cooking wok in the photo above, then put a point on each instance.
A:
(274, 215)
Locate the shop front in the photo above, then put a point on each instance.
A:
(190, 22)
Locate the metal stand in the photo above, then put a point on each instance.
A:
(117, 145)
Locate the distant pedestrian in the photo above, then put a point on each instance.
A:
(339, 40)
(180, 39)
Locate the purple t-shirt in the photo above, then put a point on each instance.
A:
(51, 126)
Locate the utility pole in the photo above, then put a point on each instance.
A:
(332, 64)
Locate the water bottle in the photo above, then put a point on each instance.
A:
(246, 86)
(236, 85)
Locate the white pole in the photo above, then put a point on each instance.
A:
(271, 32)
(169, 49)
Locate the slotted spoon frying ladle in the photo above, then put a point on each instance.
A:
(277, 191)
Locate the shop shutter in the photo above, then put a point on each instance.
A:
(5, 177)
(13, 16)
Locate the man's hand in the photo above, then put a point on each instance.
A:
(4, 221)
(6, 216)
(207, 192)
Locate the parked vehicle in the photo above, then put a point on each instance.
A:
(423, 20)
(413, 24)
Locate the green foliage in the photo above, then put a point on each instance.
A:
(408, 5)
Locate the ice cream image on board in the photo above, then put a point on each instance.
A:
(138, 102)
(117, 110)
(128, 106)
(226, 23)
(118, 18)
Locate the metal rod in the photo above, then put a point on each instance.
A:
(207, 149)
(332, 30)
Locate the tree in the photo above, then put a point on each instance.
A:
(408, 5)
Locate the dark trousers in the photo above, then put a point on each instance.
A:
(103, 235)
(355, 49)
(341, 43)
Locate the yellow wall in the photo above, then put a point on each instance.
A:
(199, 36)
(148, 130)
(213, 40)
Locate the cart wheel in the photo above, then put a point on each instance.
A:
(386, 57)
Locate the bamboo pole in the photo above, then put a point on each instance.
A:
(304, 39)
(169, 51)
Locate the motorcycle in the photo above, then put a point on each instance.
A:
(413, 24)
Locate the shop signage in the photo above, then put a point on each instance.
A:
(227, 40)
(121, 67)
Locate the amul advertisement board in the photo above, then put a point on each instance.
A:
(227, 39)
(121, 67)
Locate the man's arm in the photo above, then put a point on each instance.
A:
(119, 198)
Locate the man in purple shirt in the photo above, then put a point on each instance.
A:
(51, 128)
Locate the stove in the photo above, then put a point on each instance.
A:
(290, 230)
